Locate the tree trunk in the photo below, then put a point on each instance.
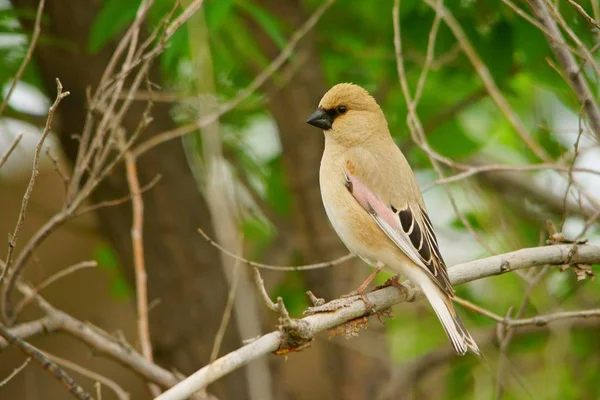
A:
(184, 272)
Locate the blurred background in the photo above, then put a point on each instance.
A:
(250, 180)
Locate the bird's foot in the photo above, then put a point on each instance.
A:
(362, 290)
(405, 287)
(362, 293)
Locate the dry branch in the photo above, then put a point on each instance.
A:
(258, 81)
(568, 63)
(12, 241)
(53, 369)
(12, 147)
(382, 299)
(37, 27)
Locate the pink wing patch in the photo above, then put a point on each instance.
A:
(370, 202)
(411, 232)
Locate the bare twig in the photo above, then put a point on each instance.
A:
(567, 61)
(416, 128)
(12, 147)
(116, 202)
(32, 43)
(15, 372)
(258, 81)
(382, 299)
(60, 274)
(430, 53)
(58, 169)
(102, 342)
(12, 241)
(118, 390)
(54, 370)
(256, 264)
(226, 314)
(488, 81)
(475, 169)
(138, 256)
(584, 14)
(505, 334)
(30, 329)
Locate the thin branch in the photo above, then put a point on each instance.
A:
(541, 320)
(258, 81)
(584, 14)
(29, 329)
(226, 314)
(112, 385)
(12, 147)
(505, 334)
(53, 278)
(116, 202)
(475, 169)
(58, 169)
(32, 43)
(416, 128)
(54, 370)
(15, 372)
(137, 228)
(430, 53)
(102, 342)
(348, 309)
(567, 61)
(256, 264)
(12, 242)
(488, 81)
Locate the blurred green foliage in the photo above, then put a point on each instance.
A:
(355, 44)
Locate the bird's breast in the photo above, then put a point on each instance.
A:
(355, 227)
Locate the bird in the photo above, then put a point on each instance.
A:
(375, 205)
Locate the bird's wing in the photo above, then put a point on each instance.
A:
(408, 226)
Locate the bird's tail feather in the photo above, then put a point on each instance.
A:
(460, 338)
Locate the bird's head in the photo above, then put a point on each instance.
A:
(349, 115)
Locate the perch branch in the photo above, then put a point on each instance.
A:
(382, 299)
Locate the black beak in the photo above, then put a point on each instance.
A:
(320, 119)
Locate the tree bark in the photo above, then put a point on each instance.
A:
(184, 272)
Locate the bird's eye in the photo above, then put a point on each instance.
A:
(341, 109)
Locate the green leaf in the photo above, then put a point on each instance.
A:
(471, 218)
(498, 54)
(548, 141)
(108, 261)
(268, 22)
(112, 19)
(452, 141)
(119, 288)
(106, 257)
(217, 13)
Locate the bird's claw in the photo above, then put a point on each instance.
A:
(405, 287)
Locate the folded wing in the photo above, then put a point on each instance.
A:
(409, 227)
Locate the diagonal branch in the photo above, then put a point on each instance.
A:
(382, 299)
(567, 61)
(53, 369)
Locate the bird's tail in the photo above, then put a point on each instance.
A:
(442, 304)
